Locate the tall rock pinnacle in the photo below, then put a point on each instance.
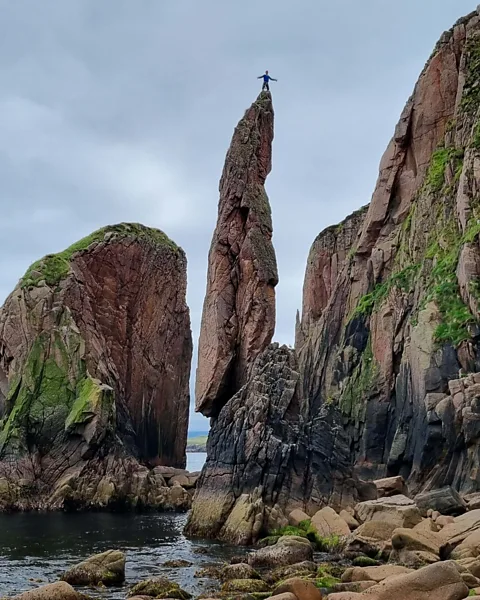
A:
(239, 310)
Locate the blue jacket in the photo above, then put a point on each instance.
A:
(266, 78)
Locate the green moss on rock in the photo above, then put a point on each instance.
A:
(91, 400)
(53, 268)
(159, 587)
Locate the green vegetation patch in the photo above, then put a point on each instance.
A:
(305, 529)
(53, 268)
(402, 280)
(471, 88)
(362, 383)
(435, 178)
(442, 284)
(39, 399)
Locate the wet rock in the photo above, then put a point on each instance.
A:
(446, 501)
(159, 587)
(52, 591)
(177, 564)
(249, 586)
(107, 568)
(238, 571)
(289, 550)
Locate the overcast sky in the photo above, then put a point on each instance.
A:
(122, 110)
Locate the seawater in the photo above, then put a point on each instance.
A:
(38, 547)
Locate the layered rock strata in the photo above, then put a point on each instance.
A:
(95, 350)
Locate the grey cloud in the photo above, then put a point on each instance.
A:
(123, 110)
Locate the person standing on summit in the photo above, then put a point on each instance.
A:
(266, 78)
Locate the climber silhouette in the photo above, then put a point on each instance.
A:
(266, 78)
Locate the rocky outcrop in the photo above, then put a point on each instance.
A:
(401, 326)
(95, 350)
(239, 311)
(328, 255)
(384, 379)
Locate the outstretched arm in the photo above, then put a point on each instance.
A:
(260, 77)
(273, 79)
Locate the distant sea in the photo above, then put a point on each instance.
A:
(196, 460)
(194, 434)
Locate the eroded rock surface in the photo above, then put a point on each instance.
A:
(95, 350)
(239, 310)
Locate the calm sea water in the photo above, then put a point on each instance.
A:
(195, 461)
(41, 546)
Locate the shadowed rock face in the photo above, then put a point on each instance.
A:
(385, 377)
(95, 351)
(239, 310)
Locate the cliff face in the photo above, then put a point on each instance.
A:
(95, 350)
(400, 327)
(239, 311)
(385, 376)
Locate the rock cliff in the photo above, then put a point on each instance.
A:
(385, 376)
(95, 350)
(239, 311)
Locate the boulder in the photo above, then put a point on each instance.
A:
(375, 574)
(181, 480)
(470, 580)
(454, 533)
(349, 519)
(328, 523)
(353, 586)
(469, 548)
(471, 564)
(177, 564)
(287, 551)
(246, 586)
(159, 587)
(107, 568)
(371, 538)
(445, 500)
(301, 589)
(297, 516)
(398, 510)
(238, 571)
(284, 596)
(53, 591)
(443, 520)
(390, 486)
(440, 581)
(410, 539)
(472, 500)
(302, 569)
(345, 596)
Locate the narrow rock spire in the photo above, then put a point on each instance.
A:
(239, 309)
